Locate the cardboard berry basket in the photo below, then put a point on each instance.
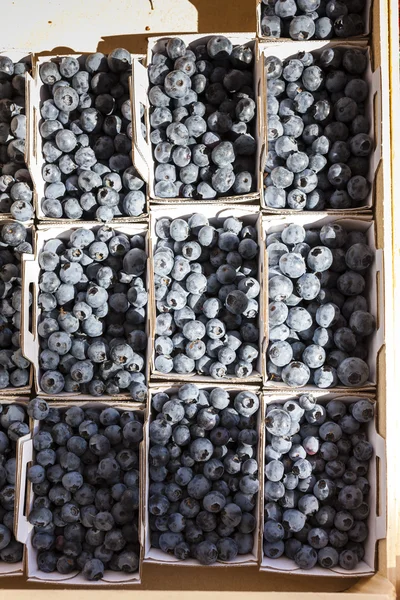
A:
(250, 216)
(373, 109)
(13, 569)
(377, 495)
(24, 531)
(143, 150)
(37, 93)
(25, 56)
(374, 290)
(158, 557)
(367, 16)
(26, 389)
(30, 342)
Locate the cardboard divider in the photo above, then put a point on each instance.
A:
(141, 149)
(262, 37)
(143, 152)
(31, 273)
(13, 569)
(24, 531)
(155, 556)
(37, 93)
(374, 291)
(373, 110)
(376, 523)
(250, 216)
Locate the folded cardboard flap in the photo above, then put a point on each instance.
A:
(25, 495)
(144, 147)
(366, 16)
(376, 522)
(374, 290)
(373, 108)
(39, 92)
(141, 147)
(156, 556)
(31, 269)
(249, 215)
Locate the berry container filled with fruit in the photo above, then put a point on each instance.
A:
(16, 371)
(78, 503)
(89, 335)
(202, 119)
(16, 196)
(202, 483)
(302, 20)
(324, 315)
(206, 297)
(324, 465)
(14, 424)
(322, 126)
(80, 124)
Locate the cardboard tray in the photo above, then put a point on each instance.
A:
(24, 498)
(142, 148)
(377, 496)
(373, 110)
(26, 389)
(250, 216)
(31, 274)
(37, 93)
(374, 284)
(13, 569)
(367, 21)
(155, 556)
(20, 55)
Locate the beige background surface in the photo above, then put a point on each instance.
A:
(86, 25)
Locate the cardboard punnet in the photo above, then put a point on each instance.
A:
(373, 110)
(37, 93)
(13, 569)
(143, 151)
(250, 216)
(156, 556)
(26, 389)
(376, 520)
(259, 3)
(374, 290)
(30, 342)
(24, 502)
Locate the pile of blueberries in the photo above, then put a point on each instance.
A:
(316, 482)
(14, 368)
(203, 119)
(203, 469)
(15, 180)
(93, 312)
(306, 19)
(85, 480)
(319, 323)
(87, 139)
(13, 425)
(317, 131)
(206, 292)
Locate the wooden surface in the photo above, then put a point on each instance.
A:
(86, 25)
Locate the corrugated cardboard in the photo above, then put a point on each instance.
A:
(374, 282)
(31, 274)
(250, 216)
(142, 150)
(373, 109)
(24, 501)
(377, 496)
(259, 3)
(156, 556)
(37, 93)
